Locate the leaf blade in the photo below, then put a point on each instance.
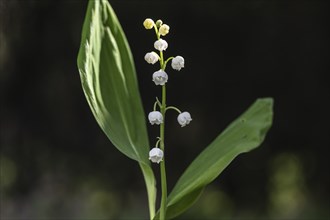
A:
(109, 81)
(244, 134)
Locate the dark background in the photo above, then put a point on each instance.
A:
(57, 164)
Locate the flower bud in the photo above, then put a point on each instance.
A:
(160, 77)
(164, 29)
(155, 117)
(177, 63)
(151, 57)
(184, 118)
(148, 23)
(160, 45)
(156, 155)
(159, 23)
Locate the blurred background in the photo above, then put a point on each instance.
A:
(57, 164)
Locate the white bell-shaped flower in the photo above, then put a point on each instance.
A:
(151, 57)
(177, 63)
(184, 118)
(160, 77)
(156, 155)
(160, 45)
(155, 117)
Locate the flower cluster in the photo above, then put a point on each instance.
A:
(160, 78)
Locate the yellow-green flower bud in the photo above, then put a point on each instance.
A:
(159, 23)
(164, 29)
(148, 23)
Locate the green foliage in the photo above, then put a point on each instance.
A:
(110, 85)
(244, 134)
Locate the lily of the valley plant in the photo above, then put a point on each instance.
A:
(110, 85)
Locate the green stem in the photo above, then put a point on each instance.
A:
(156, 31)
(162, 64)
(162, 164)
(163, 202)
(174, 108)
(168, 59)
(157, 143)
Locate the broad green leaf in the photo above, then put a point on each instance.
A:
(109, 81)
(244, 134)
(110, 85)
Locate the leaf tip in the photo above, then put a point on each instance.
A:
(266, 100)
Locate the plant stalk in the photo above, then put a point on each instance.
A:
(162, 164)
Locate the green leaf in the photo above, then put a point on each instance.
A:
(109, 81)
(244, 134)
(110, 85)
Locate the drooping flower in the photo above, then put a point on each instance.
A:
(160, 77)
(156, 155)
(160, 45)
(164, 29)
(184, 118)
(177, 63)
(155, 117)
(151, 57)
(148, 23)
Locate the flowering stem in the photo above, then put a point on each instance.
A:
(162, 64)
(162, 137)
(162, 164)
